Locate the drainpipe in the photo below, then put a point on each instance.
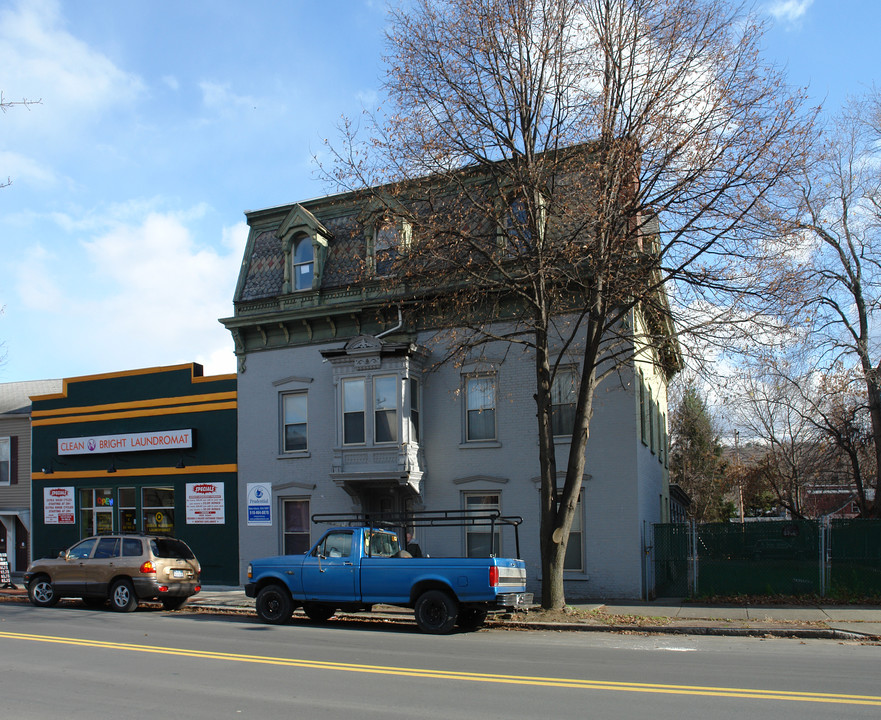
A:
(396, 327)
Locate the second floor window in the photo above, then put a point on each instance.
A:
(414, 410)
(480, 411)
(294, 409)
(564, 395)
(303, 264)
(5, 461)
(385, 418)
(353, 412)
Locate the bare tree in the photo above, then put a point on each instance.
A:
(840, 226)
(5, 105)
(560, 163)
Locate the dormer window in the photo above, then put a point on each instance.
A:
(303, 261)
(390, 237)
(304, 240)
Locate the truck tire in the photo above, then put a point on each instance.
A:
(471, 618)
(318, 612)
(436, 612)
(274, 605)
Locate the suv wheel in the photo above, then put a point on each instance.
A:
(122, 596)
(41, 592)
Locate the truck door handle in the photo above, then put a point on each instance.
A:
(348, 563)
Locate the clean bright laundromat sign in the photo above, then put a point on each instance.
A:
(131, 442)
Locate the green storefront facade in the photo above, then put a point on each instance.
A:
(151, 450)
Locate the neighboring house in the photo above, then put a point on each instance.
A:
(15, 467)
(833, 501)
(342, 410)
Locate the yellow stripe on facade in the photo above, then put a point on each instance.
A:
(208, 407)
(154, 402)
(135, 472)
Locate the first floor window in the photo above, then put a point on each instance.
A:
(479, 540)
(480, 410)
(294, 412)
(574, 561)
(353, 411)
(5, 461)
(385, 418)
(296, 527)
(564, 395)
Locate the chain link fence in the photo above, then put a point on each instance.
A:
(839, 558)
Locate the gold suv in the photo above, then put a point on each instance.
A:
(120, 568)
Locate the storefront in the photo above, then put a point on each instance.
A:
(151, 451)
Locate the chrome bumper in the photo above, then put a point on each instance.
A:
(514, 601)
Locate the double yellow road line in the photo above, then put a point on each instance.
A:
(573, 683)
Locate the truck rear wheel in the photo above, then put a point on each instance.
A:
(436, 612)
(274, 605)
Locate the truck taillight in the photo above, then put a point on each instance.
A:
(493, 575)
(147, 567)
(250, 571)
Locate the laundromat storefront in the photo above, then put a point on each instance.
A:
(150, 451)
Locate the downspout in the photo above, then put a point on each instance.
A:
(396, 327)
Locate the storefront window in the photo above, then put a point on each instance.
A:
(128, 514)
(158, 509)
(96, 511)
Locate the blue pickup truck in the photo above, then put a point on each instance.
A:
(358, 565)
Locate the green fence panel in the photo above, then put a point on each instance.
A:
(855, 558)
(671, 559)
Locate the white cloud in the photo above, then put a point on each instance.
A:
(73, 81)
(25, 170)
(789, 11)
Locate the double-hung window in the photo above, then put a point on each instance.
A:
(353, 411)
(414, 410)
(385, 416)
(574, 560)
(296, 527)
(564, 394)
(480, 410)
(294, 422)
(6, 461)
(303, 264)
(479, 541)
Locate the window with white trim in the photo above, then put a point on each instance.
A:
(353, 411)
(385, 412)
(574, 559)
(564, 395)
(480, 408)
(303, 264)
(296, 527)
(478, 539)
(5, 461)
(414, 410)
(294, 408)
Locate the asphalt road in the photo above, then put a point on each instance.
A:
(77, 663)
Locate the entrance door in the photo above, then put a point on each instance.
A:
(22, 545)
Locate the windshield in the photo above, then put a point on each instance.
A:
(381, 543)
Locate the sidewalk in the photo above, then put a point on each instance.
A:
(840, 622)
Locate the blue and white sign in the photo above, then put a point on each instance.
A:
(259, 504)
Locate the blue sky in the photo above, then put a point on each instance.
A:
(161, 123)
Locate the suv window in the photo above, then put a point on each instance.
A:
(131, 547)
(170, 548)
(83, 549)
(107, 548)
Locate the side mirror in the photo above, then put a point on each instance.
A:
(63, 554)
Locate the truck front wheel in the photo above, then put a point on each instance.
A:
(274, 605)
(436, 612)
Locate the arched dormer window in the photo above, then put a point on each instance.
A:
(304, 241)
(303, 263)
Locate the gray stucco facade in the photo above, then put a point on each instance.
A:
(340, 409)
